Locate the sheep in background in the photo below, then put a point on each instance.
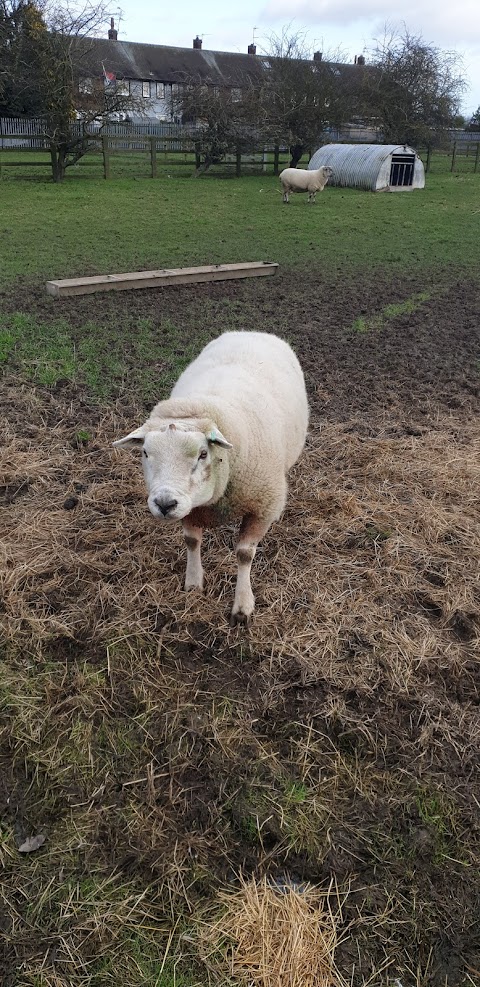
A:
(302, 180)
(220, 447)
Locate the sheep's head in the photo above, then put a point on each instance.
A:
(182, 463)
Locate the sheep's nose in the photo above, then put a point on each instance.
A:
(165, 505)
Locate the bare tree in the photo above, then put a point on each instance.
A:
(304, 95)
(54, 69)
(412, 88)
(230, 120)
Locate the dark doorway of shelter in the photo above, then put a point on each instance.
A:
(402, 168)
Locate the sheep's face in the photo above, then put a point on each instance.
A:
(180, 467)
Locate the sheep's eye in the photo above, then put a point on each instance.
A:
(145, 454)
(203, 454)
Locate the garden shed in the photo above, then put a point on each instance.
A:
(376, 167)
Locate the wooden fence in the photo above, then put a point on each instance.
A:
(171, 145)
(169, 150)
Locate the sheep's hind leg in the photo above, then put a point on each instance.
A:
(193, 541)
(285, 196)
(252, 531)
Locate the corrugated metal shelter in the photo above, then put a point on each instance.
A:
(377, 167)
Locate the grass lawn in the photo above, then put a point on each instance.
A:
(90, 226)
(158, 753)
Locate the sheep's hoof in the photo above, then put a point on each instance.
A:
(239, 619)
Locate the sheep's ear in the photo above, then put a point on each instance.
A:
(215, 436)
(133, 439)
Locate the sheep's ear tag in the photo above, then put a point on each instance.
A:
(218, 439)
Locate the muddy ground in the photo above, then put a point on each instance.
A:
(337, 738)
(428, 356)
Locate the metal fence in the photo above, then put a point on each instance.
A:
(30, 133)
(17, 132)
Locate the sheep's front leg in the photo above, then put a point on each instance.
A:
(285, 196)
(193, 541)
(252, 531)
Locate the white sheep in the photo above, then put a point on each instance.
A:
(221, 445)
(302, 180)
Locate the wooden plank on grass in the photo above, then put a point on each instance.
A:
(159, 279)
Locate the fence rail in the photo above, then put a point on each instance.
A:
(176, 144)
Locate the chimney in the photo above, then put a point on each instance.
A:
(317, 56)
(197, 42)
(252, 49)
(361, 60)
(112, 34)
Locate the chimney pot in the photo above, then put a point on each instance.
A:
(197, 42)
(252, 49)
(317, 56)
(361, 60)
(112, 34)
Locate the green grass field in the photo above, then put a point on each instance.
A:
(91, 226)
(160, 755)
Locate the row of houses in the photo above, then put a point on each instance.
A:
(152, 74)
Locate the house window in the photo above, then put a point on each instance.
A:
(236, 95)
(123, 87)
(160, 89)
(146, 89)
(85, 86)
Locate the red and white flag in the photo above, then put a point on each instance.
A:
(108, 76)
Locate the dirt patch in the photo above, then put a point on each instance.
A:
(417, 364)
(337, 738)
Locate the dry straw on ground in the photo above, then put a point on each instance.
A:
(339, 734)
(380, 542)
(267, 936)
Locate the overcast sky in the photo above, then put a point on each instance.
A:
(328, 25)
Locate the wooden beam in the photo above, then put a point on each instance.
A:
(159, 279)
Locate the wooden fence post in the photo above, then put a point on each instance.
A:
(239, 164)
(454, 154)
(477, 154)
(276, 155)
(106, 158)
(429, 155)
(153, 156)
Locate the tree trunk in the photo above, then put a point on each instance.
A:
(53, 158)
(296, 151)
(202, 166)
(58, 156)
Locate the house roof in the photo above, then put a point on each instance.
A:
(162, 63)
(166, 63)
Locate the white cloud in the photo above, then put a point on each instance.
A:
(447, 24)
